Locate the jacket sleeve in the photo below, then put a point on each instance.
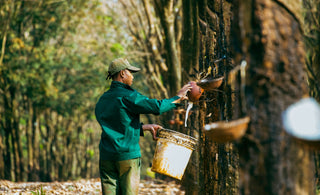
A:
(141, 130)
(140, 104)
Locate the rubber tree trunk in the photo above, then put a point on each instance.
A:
(214, 169)
(271, 42)
(190, 60)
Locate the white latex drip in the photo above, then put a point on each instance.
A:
(190, 104)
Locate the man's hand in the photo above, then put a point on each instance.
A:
(153, 128)
(182, 93)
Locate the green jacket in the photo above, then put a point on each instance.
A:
(118, 113)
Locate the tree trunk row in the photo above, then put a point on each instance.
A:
(54, 147)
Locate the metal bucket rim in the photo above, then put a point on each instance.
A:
(192, 142)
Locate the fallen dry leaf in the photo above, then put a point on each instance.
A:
(85, 186)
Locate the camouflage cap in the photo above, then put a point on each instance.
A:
(120, 64)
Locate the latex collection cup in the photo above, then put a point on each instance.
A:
(195, 93)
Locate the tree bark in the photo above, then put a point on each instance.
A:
(271, 42)
(7, 133)
(35, 143)
(17, 140)
(312, 40)
(218, 162)
(190, 36)
(189, 60)
(30, 141)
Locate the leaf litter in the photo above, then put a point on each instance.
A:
(85, 186)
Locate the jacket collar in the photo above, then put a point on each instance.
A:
(117, 84)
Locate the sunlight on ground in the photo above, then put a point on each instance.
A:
(91, 186)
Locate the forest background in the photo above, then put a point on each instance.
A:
(53, 63)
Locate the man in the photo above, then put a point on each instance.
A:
(118, 111)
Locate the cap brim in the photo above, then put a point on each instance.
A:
(133, 69)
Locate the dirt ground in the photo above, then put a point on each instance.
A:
(91, 186)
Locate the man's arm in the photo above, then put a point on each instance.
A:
(140, 104)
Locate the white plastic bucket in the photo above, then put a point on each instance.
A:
(172, 153)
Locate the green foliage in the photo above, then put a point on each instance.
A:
(90, 130)
(117, 49)
(90, 153)
(22, 121)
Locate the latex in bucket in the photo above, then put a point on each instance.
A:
(172, 153)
